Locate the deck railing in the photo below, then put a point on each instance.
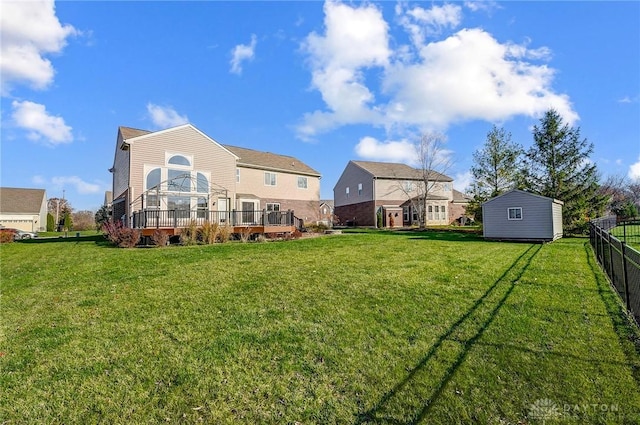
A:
(162, 219)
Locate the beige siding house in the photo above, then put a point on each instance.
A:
(23, 209)
(367, 189)
(168, 178)
(275, 182)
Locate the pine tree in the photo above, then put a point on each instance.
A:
(495, 170)
(558, 166)
(50, 222)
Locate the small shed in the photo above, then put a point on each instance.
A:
(523, 216)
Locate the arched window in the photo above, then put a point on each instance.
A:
(179, 160)
(153, 178)
(202, 185)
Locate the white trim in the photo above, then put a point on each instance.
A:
(516, 215)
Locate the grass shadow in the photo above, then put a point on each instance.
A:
(99, 240)
(376, 413)
(625, 328)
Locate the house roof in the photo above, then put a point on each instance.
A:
(525, 193)
(392, 170)
(129, 133)
(271, 161)
(460, 197)
(328, 202)
(22, 201)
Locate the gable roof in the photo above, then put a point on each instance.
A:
(270, 161)
(460, 197)
(392, 170)
(22, 201)
(524, 192)
(129, 132)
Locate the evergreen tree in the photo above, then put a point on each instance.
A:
(50, 222)
(102, 216)
(558, 166)
(495, 169)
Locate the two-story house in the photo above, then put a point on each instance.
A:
(167, 178)
(382, 193)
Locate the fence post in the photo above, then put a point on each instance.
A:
(625, 277)
(611, 272)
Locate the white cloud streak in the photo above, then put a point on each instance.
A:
(40, 126)
(242, 53)
(165, 116)
(80, 186)
(29, 31)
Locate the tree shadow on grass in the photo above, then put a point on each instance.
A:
(97, 239)
(628, 333)
(410, 387)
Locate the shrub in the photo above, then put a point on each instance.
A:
(6, 236)
(224, 233)
(317, 228)
(121, 236)
(189, 235)
(160, 238)
(245, 234)
(209, 232)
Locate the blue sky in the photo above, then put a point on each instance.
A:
(326, 82)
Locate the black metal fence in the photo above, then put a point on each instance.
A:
(620, 261)
(182, 218)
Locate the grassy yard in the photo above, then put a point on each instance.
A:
(374, 327)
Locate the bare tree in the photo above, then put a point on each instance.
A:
(433, 161)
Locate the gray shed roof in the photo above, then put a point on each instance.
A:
(21, 201)
(392, 170)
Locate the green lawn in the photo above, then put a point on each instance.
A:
(373, 327)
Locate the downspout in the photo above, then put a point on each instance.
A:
(375, 207)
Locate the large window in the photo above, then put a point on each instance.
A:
(179, 181)
(269, 178)
(202, 183)
(302, 182)
(514, 213)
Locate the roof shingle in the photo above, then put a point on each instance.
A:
(392, 170)
(21, 201)
(268, 160)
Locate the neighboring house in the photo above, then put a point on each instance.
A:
(520, 215)
(326, 212)
(167, 178)
(24, 209)
(366, 189)
(272, 182)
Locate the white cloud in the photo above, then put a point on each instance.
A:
(393, 151)
(242, 53)
(427, 86)
(80, 186)
(34, 118)
(421, 23)
(355, 39)
(634, 171)
(484, 5)
(30, 30)
(461, 181)
(165, 116)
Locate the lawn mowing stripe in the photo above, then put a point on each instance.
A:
(397, 394)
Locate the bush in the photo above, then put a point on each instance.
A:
(189, 235)
(317, 228)
(121, 236)
(209, 232)
(245, 234)
(224, 233)
(6, 236)
(160, 238)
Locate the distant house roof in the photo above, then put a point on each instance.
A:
(327, 202)
(391, 170)
(21, 201)
(129, 133)
(267, 160)
(460, 197)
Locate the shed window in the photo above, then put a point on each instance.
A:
(514, 213)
